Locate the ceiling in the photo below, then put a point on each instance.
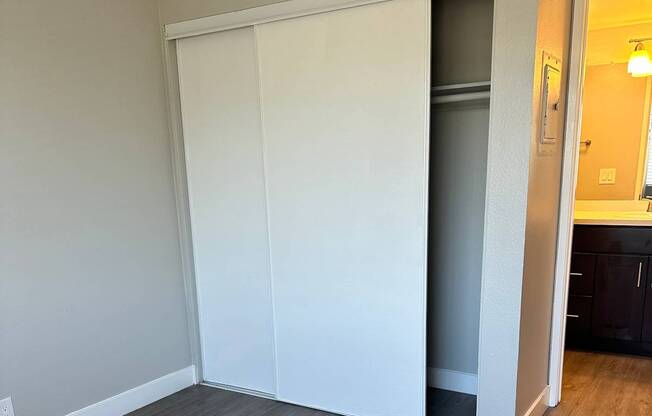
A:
(610, 13)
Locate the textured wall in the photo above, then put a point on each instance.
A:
(516, 297)
(553, 28)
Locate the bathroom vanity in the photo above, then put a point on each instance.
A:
(610, 292)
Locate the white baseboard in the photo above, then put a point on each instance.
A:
(142, 395)
(540, 404)
(441, 378)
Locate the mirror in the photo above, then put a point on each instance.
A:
(614, 145)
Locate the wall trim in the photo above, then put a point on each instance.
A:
(570, 162)
(461, 382)
(263, 14)
(426, 203)
(539, 405)
(142, 395)
(641, 168)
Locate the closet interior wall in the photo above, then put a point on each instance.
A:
(461, 54)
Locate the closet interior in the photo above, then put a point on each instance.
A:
(319, 225)
(459, 128)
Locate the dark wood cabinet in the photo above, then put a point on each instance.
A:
(581, 274)
(646, 334)
(580, 302)
(619, 297)
(610, 289)
(578, 318)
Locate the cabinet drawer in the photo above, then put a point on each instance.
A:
(581, 274)
(578, 317)
(611, 239)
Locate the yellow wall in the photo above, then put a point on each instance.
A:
(613, 117)
(609, 45)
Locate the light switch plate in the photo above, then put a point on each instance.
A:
(6, 407)
(607, 176)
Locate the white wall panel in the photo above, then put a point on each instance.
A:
(345, 129)
(222, 133)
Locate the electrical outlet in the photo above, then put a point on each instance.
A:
(6, 408)
(607, 176)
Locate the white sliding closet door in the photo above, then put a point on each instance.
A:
(306, 146)
(218, 76)
(344, 101)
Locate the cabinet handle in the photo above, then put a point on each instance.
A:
(576, 274)
(572, 316)
(640, 267)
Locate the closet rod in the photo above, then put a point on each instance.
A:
(461, 97)
(453, 93)
(443, 89)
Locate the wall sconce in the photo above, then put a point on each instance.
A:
(639, 61)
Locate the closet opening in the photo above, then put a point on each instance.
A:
(459, 121)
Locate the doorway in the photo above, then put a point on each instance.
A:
(602, 261)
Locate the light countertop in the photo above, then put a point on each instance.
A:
(613, 212)
(631, 218)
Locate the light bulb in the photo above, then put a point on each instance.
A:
(639, 62)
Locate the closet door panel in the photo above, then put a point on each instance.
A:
(222, 133)
(344, 107)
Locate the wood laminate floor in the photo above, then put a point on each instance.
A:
(209, 401)
(599, 384)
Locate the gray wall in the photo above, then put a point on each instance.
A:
(92, 294)
(461, 41)
(458, 163)
(171, 11)
(458, 166)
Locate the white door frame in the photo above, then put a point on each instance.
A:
(571, 150)
(288, 9)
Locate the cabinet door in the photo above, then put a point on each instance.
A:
(618, 297)
(647, 314)
(581, 274)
